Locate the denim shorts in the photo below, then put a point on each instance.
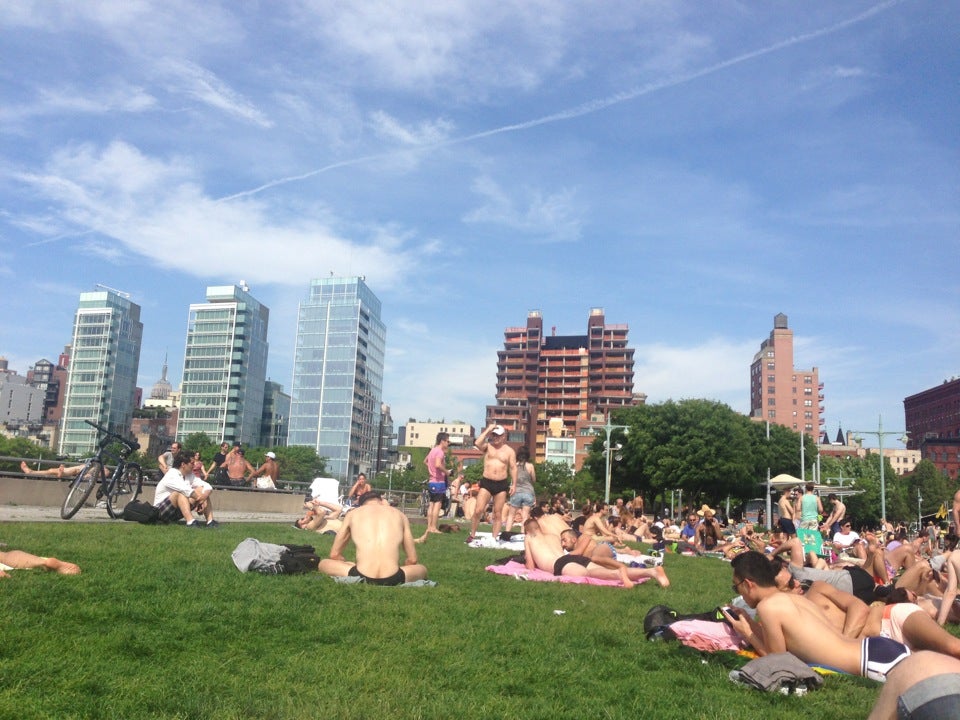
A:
(520, 500)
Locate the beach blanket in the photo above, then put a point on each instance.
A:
(705, 635)
(520, 572)
(353, 580)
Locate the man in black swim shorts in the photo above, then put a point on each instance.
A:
(565, 560)
(499, 473)
(378, 531)
(397, 578)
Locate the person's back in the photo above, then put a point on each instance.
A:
(377, 530)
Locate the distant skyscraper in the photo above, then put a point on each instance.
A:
(102, 377)
(338, 375)
(560, 378)
(224, 366)
(276, 415)
(779, 392)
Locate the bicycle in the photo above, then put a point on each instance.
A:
(122, 487)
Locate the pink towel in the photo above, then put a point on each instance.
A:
(706, 635)
(515, 568)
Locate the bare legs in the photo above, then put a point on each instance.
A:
(25, 561)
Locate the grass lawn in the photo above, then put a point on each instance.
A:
(161, 624)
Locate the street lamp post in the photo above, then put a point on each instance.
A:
(881, 433)
(608, 451)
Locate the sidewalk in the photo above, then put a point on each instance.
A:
(33, 513)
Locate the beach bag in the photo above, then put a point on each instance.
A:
(141, 512)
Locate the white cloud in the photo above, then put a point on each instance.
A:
(187, 78)
(119, 98)
(550, 217)
(157, 209)
(427, 133)
(718, 369)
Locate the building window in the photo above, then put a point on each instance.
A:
(771, 366)
(771, 378)
(771, 414)
(771, 401)
(771, 390)
(769, 353)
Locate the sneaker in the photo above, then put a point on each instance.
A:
(194, 525)
(102, 504)
(469, 539)
(213, 524)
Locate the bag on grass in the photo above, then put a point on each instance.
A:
(273, 559)
(141, 512)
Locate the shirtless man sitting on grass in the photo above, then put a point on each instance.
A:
(378, 531)
(793, 623)
(545, 552)
(20, 560)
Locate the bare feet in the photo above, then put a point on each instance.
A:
(3, 574)
(661, 576)
(24, 468)
(59, 566)
(625, 579)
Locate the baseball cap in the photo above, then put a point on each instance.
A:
(271, 456)
(498, 430)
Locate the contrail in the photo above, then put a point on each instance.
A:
(586, 108)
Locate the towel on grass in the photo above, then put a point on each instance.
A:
(352, 580)
(520, 572)
(780, 672)
(706, 635)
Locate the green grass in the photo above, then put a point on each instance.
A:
(161, 624)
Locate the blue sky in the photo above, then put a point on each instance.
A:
(692, 168)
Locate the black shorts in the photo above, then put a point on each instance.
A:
(786, 524)
(495, 487)
(565, 560)
(862, 583)
(437, 497)
(398, 578)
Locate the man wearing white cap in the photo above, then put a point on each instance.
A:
(265, 478)
(499, 474)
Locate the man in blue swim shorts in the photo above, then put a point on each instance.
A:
(786, 622)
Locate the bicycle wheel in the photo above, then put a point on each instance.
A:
(81, 487)
(125, 490)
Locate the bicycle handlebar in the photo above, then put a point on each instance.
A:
(132, 444)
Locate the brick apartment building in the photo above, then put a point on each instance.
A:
(781, 393)
(932, 419)
(559, 378)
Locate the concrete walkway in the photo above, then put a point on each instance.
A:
(33, 513)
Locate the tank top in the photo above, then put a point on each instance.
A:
(524, 481)
(808, 507)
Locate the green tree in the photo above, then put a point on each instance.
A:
(699, 446)
(19, 447)
(298, 463)
(933, 484)
(202, 443)
(553, 478)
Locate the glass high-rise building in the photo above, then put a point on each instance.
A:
(338, 375)
(224, 367)
(102, 377)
